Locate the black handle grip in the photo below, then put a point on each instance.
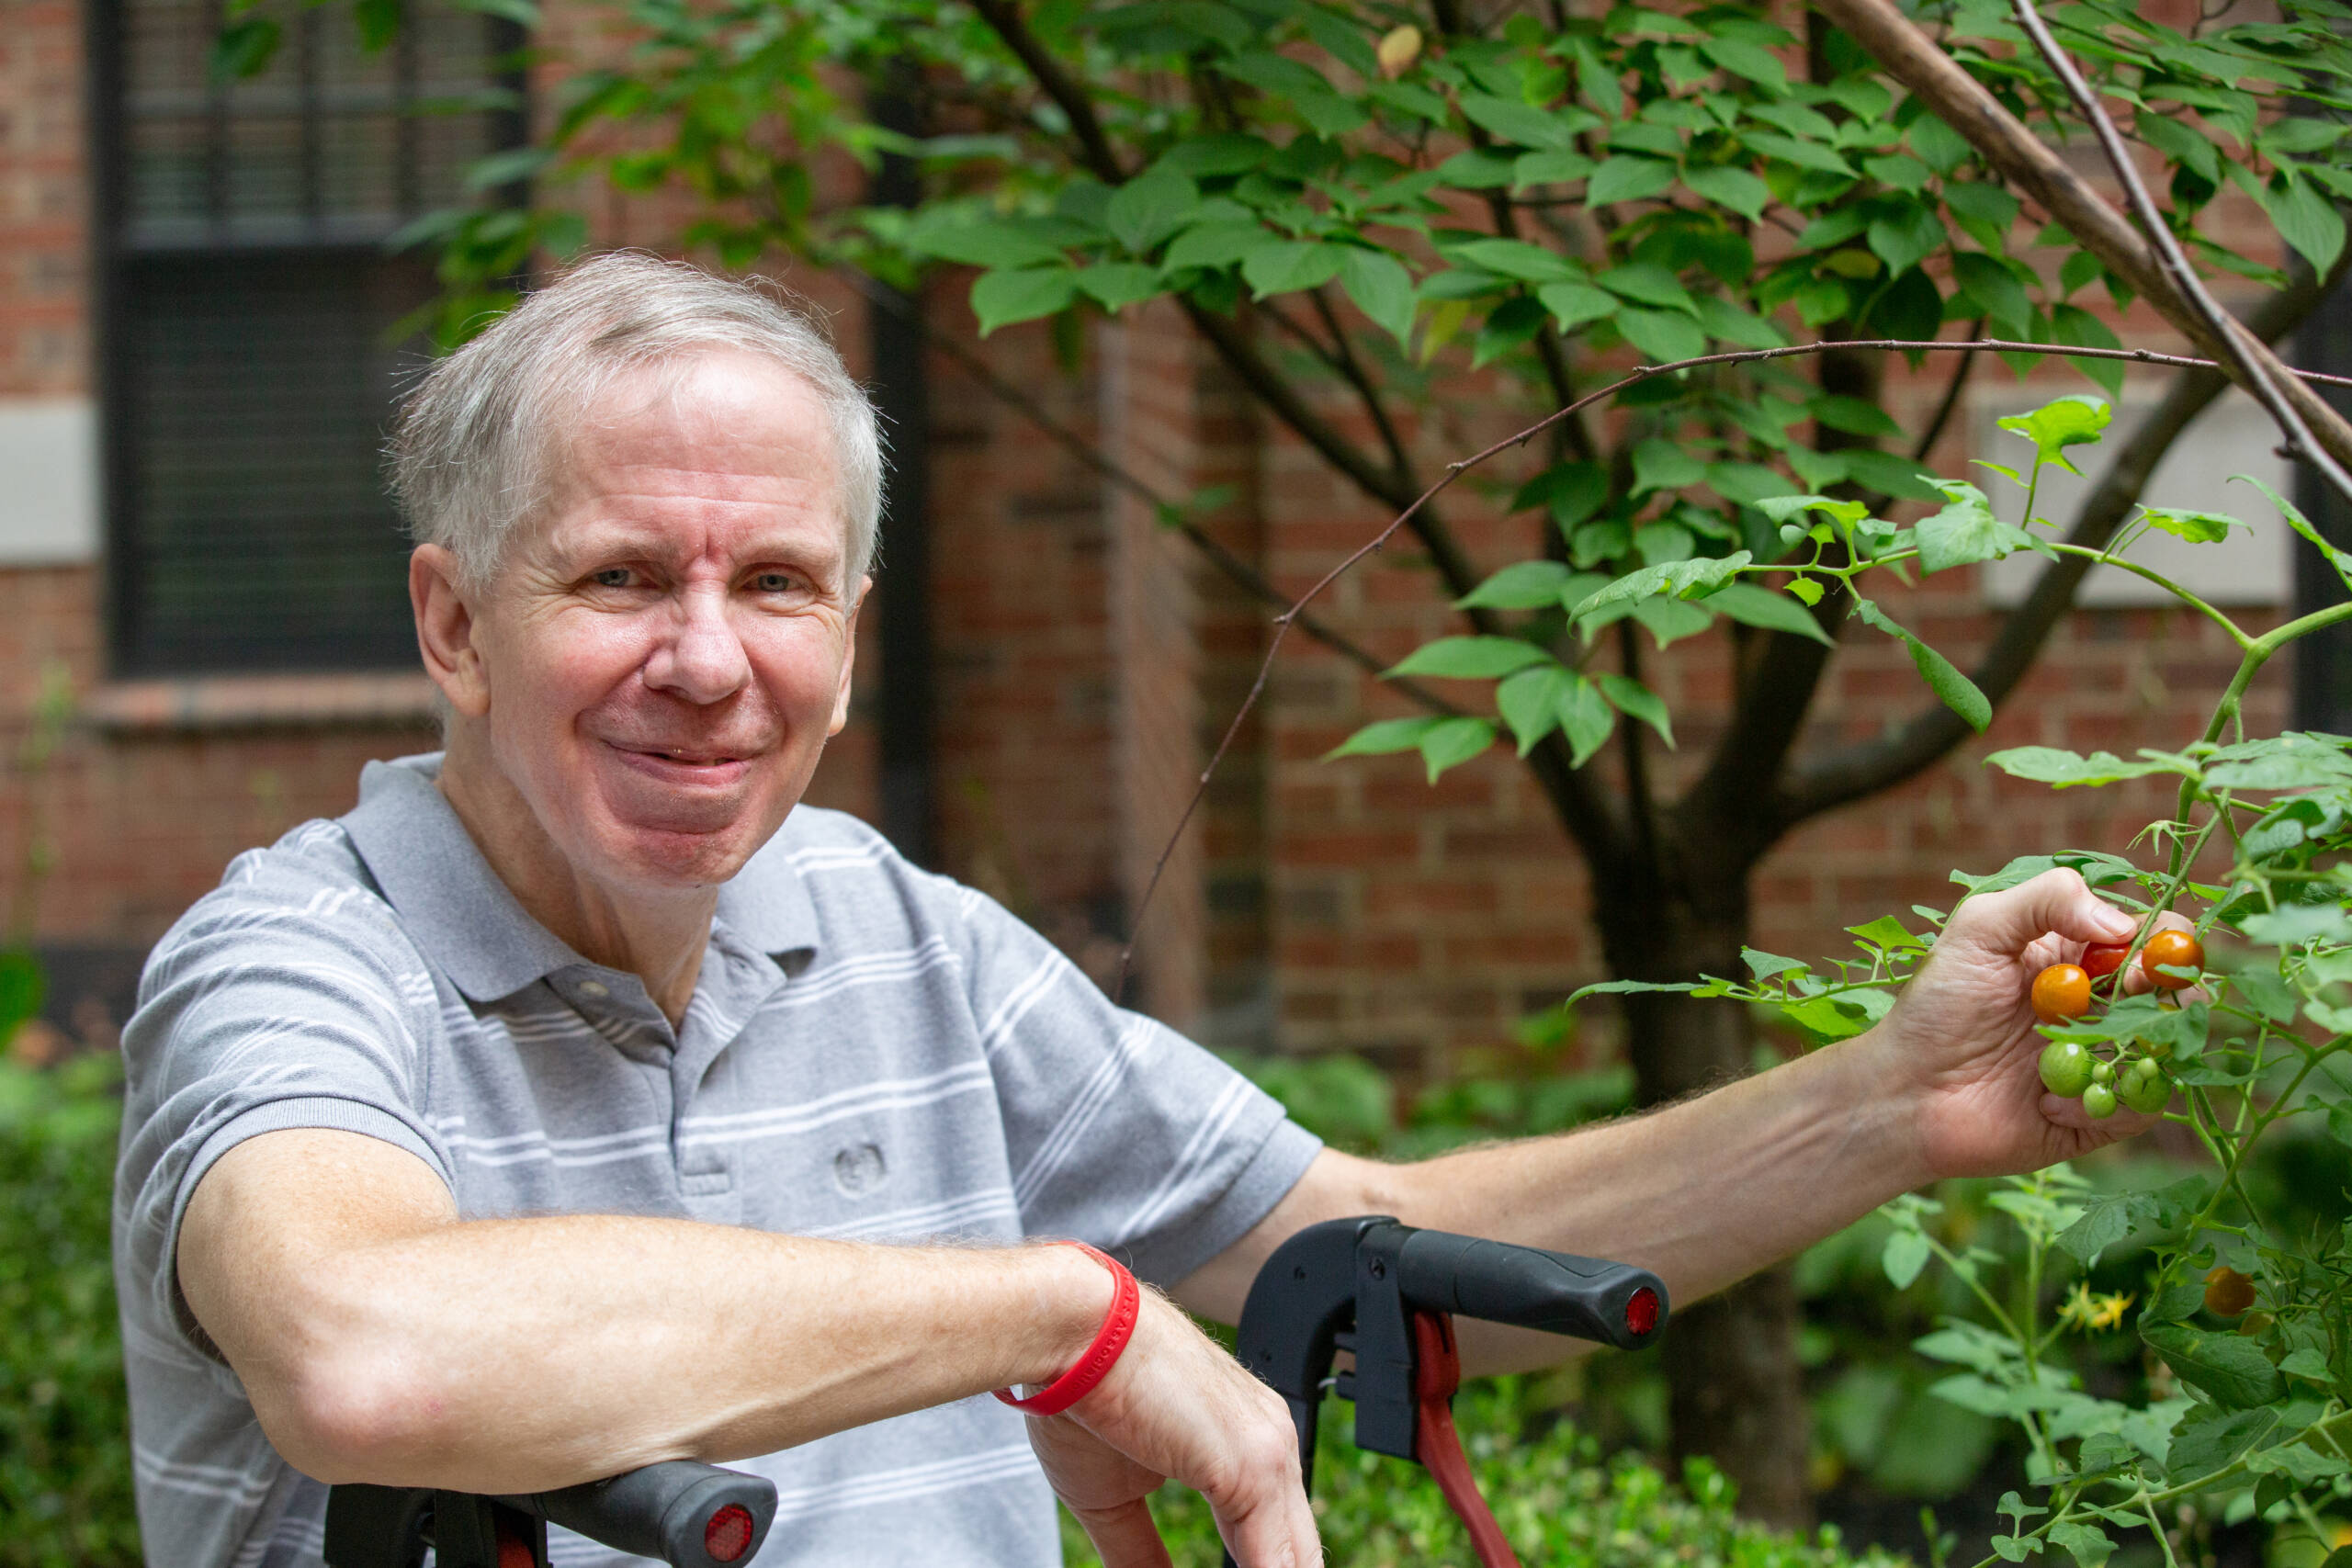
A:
(1559, 1292)
(686, 1514)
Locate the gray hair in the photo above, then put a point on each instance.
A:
(477, 443)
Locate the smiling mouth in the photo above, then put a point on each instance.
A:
(687, 758)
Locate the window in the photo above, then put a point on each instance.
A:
(247, 304)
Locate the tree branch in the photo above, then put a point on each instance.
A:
(1004, 18)
(1854, 773)
(2021, 157)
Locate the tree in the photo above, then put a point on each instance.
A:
(1558, 192)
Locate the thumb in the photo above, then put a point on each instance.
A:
(2059, 901)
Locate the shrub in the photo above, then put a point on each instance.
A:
(1553, 1496)
(65, 1495)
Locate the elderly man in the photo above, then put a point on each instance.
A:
(579, 1101)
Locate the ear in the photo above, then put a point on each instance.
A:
(848, 659)
(445, 630)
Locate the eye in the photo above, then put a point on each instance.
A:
(774, 582)
(613, 577)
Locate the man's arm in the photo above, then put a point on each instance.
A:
(1708, 1191)
(382, 1339)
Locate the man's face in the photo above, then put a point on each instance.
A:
(667, 649)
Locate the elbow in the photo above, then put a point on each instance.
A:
(355, 1414)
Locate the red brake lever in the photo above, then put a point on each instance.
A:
(1438, 1446)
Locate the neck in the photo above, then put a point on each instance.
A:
(659, 935)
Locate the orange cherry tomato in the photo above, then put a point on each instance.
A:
(2061, 992)
(2227, 1291)
(2104, 958)
(2177, 949)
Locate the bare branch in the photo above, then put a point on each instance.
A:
(2249, 362)
(2021, 158)
(1857, 771)
(1003, 16)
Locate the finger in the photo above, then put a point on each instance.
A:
(2069, 1113)
(2060, 901)
(1276, 1534)
(1123, 1535)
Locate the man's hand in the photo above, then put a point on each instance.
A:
(1960, 1043)
(1178, 1406)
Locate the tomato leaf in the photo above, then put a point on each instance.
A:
(1958, 691)
(1965, 531)
(2226, 1365)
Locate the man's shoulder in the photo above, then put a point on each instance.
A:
(311, 880)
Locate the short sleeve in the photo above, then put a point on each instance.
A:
(1121, 1131)
(286, 998)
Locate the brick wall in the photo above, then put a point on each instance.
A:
(1086, 663)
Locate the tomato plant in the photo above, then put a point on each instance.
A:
(2249, 1413)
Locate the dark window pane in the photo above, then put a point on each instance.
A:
(256, 533)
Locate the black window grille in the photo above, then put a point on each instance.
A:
(248, 301)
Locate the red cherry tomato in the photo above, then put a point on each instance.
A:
(2104, 958)
(2227, 1291)
(2061, 992)
(2177, 949)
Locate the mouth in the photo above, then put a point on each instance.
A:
(684, 765)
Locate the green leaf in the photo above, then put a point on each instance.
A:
(2064, 770)
(2077, 328)
(1586, 718)
(1989, 281)
(1637, 701)
(1470, 658)
(1507, 325)
(2210, 1436)
(1627, 178)
(2226, 1365)
(1666, 336)
(1957, 691)
(1570, 491)
(1559, 167)
(1216, 244)
(1152, 206)
(2076, 420)
(1852, 415)
(1729, 186)
(1681, 578)
(1906, 237)
(1001, 298)
(1792, 150)
(2087, 1543)
(2301, 525)
(1743, 58)
(1381, 288)
(1383, 736)
(1522, 585)
(2197, 527)
(1938, 146)
(2307, 219)
(1117, 284)
(1723, 319)
(1006, 246)
(1529, 702)
(1752, 604)
(1660, 464)
(1669, 621)
(1905, 1254)
(2107, 1221)
(1519, 123)
(1453, 741)
(1764, 965)
(1646, 284)
(1573, 304)
(1479, 168)
(1965, 531)
(1285, 266)
(1517, 258)
(243, 48)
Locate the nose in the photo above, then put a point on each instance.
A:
(700, 658)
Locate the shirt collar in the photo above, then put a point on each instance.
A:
(464, 918)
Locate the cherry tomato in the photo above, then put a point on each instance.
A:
(2061, 992)
(2103, 1072)
(2065, 1068)
(2098, 1102)
(2104, 958)
(2177, 949)
(2227, 1291)
(2147, 1091)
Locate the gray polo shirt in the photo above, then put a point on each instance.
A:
(871, 1050)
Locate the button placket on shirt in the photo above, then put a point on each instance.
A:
(735, 981)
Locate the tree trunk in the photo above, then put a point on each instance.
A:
(1731, 1362)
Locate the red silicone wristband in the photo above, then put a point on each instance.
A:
(1118, 1327)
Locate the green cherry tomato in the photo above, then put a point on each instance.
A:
(2098, 1102)
(2146, 1092)
(2065, 1068)
(2103, 1072)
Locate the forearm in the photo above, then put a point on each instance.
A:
(514, 1355)
(1703, 1193)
